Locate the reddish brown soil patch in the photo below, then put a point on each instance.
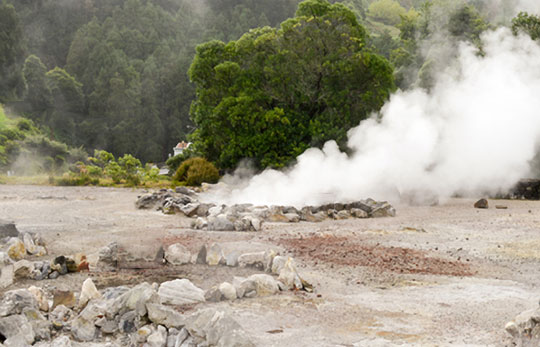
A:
(343, 251)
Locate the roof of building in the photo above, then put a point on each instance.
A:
(183, 145)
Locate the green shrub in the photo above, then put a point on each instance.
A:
(79, 180)
(195, 171)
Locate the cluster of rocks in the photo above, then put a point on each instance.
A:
(525, 328)
(15, 247)
(269, 261)
(247, 217)
(118, 316)
(526, 189)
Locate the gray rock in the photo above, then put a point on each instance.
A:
(129, 322)
(134, 299)
(14, 301)
(163, 315)
(177, 254)
(256, 223)
(190, 209)
(343, 214)
(147, 201)
(242, 224)
(185, 191)
(41, 298)
(6, 276)
(227, 290)
(23, 269)
(107, 258)
(83, 327)
(60, 315)
(256, 260)
(288, 275)
(4, 259)
(107, 326)
(383, 209)
(54, 275)
(232, 259)
(265, 284)
(247, 289)
(201, 256)
(41, 326)
(114, 292)
(16, 328)
(8, 229)
(213, 295)
(141, 335)
(215, 210)
(62, 341)
(214, 255)
(278, 263)
(220, 223)
(203, 209)
(259, 260)
(29, 243)
(261, 212)
(158, 338)
(180, 292)
(359, 213)
(217, 329)
(292, 217)
(199, 223)
(176, 338)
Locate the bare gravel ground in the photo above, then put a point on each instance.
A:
(432, 276)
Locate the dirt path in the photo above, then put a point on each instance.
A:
(432, 276)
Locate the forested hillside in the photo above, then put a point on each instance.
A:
(113, 74)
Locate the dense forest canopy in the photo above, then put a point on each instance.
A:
(113, 74)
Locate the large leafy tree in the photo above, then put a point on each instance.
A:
(276, 92)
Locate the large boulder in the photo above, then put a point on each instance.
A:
(17, 330)
(134, 299)
(164, 315)
(14, 301)
(177, 254)
(217, 328)
(180, 292)
(265, 284)
(220, 223)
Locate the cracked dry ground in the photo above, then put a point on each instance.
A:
(431, 276)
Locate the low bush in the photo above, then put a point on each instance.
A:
(194, 171)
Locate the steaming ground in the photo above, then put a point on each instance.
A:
(475, 132)
(360, 299)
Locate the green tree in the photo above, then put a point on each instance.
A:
(68, 105)
(38, 94)
(466, 23)
(528, 24)
(11, 52)
(276, 92)
(386, 11)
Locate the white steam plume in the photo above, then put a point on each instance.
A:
(475, 132)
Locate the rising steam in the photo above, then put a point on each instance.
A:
(475, 132)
